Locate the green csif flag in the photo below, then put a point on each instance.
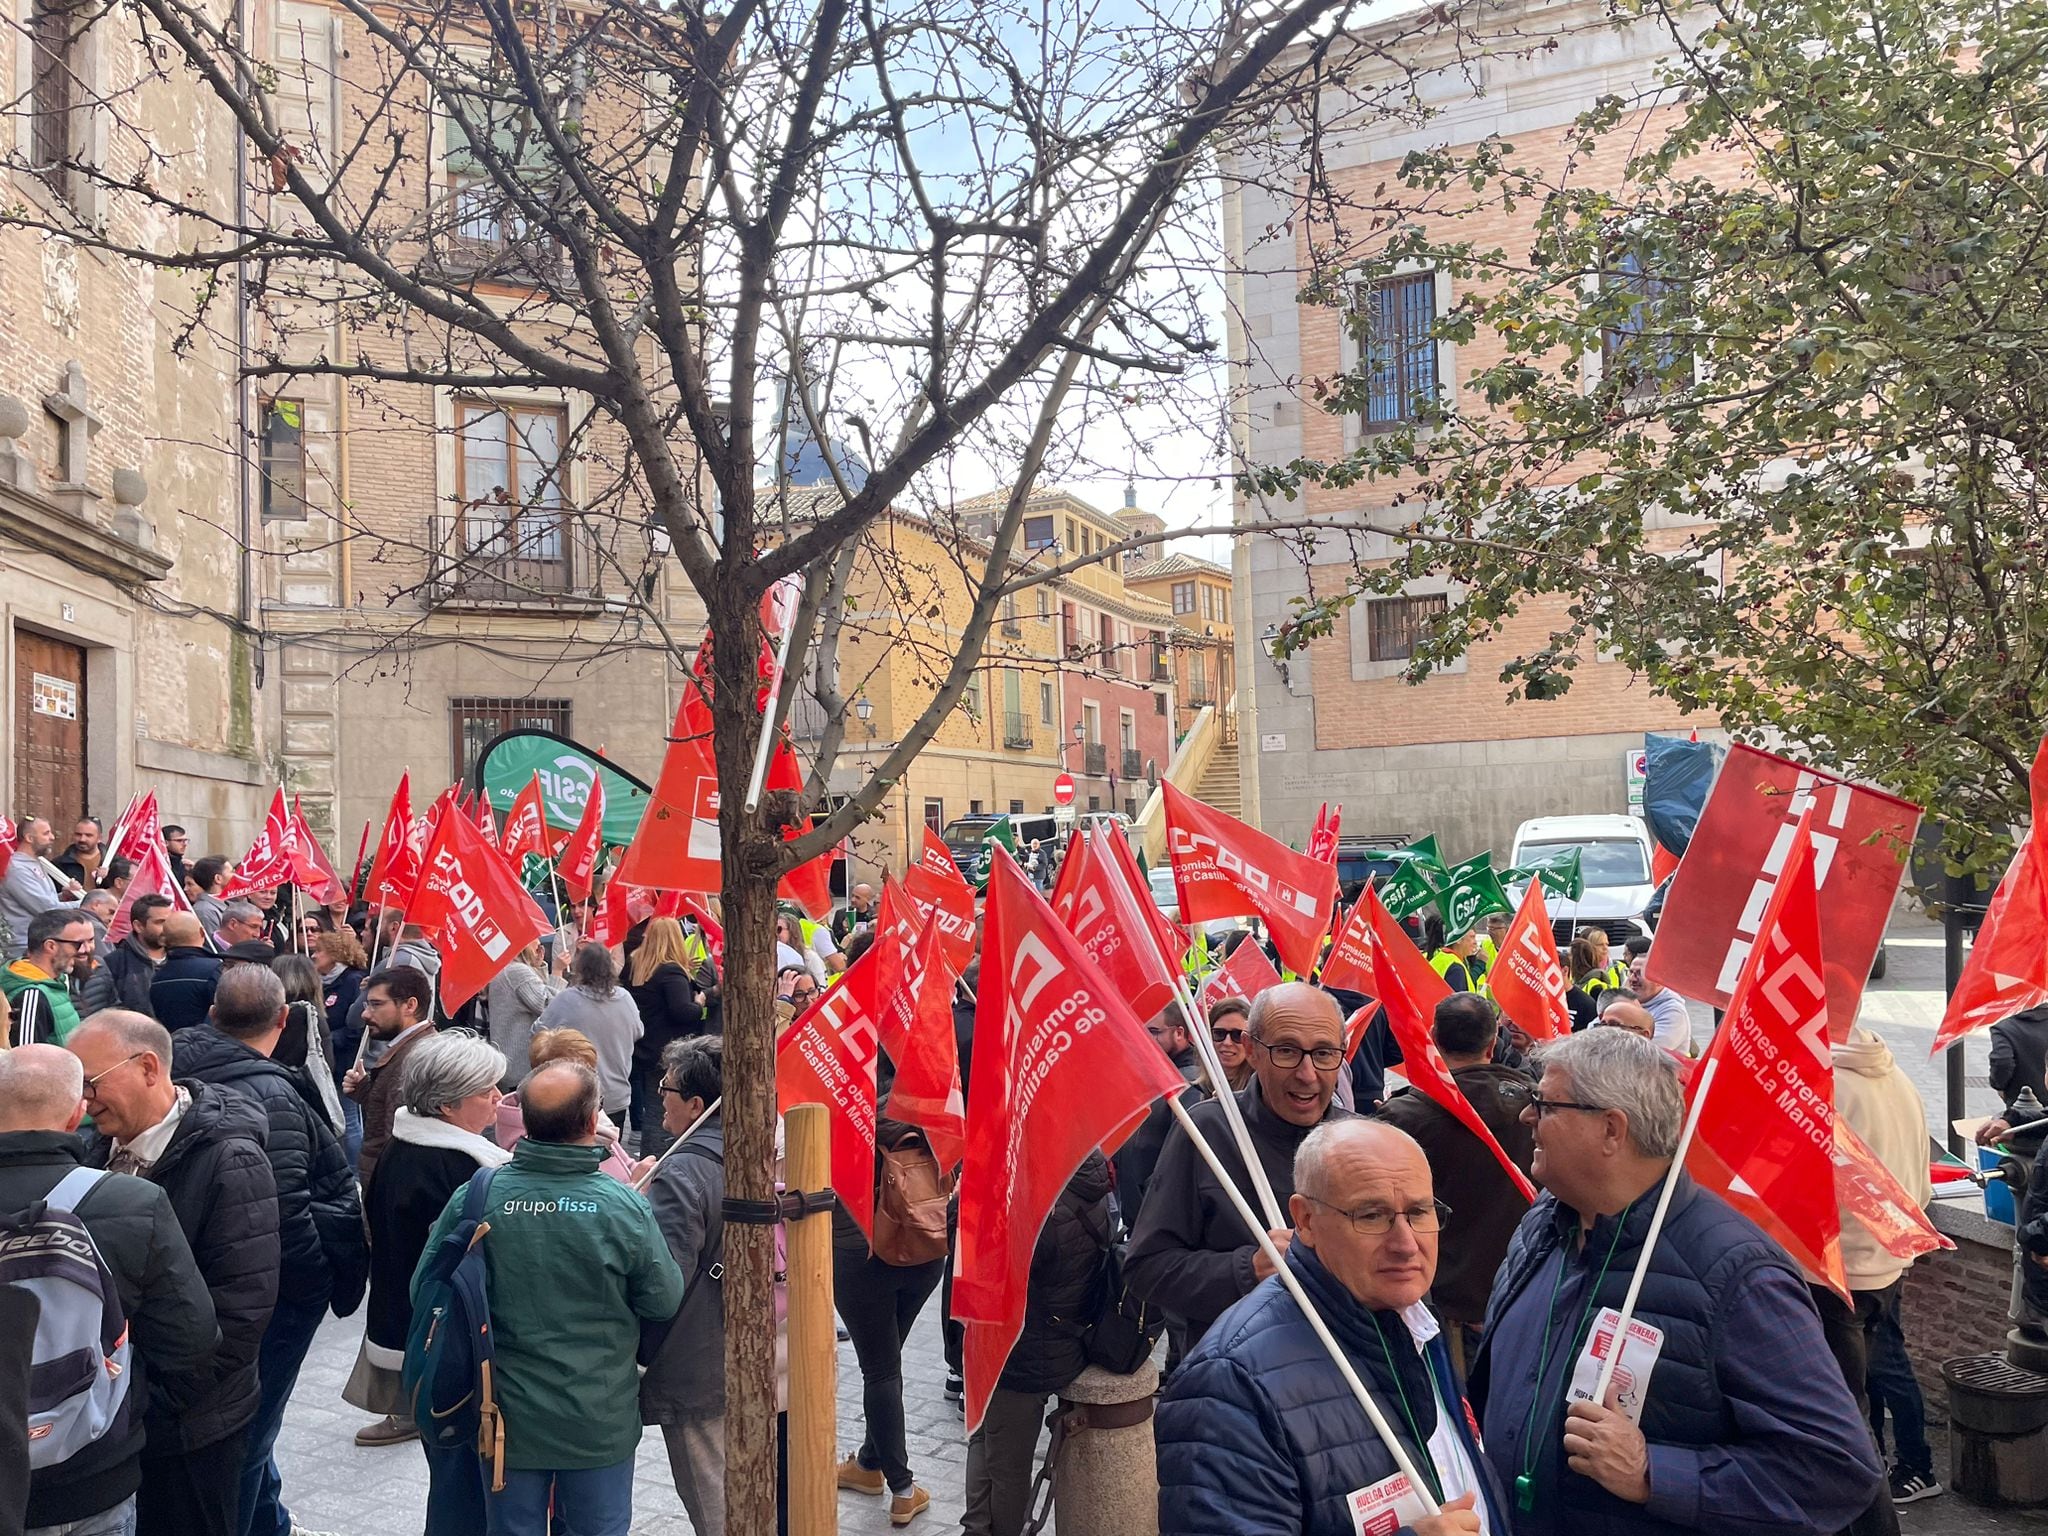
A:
(1471, 891)
(1406, 891)
(1421, 854)
(1001, 832)
(1561, 872)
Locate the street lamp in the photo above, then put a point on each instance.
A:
(864, 708)
(1269, 642)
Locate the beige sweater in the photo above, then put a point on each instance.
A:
(1876, 1097)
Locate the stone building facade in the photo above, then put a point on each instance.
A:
(1204, 647)
(1339, 723)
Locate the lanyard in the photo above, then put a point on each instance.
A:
(1425, 1463)
(1525, 1481)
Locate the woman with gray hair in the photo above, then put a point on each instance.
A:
(449, 1096)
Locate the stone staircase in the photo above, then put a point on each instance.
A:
(1218, 784)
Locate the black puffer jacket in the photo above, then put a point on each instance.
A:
(670, 1010)
(322, 1254)
(1061, 1295)
(225, 1197)
(170, 1316)
(130, 973)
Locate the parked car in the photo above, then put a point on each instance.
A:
(1167, 900)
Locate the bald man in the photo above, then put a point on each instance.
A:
(1190, 1254)
(576, 1264)
(181, 991)
(1300, 1447)
(1624, 1013)
(170, 1315)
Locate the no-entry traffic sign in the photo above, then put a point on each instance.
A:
(1063, 789)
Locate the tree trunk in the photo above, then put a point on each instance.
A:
(748, 896)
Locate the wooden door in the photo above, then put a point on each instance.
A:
(49, 730)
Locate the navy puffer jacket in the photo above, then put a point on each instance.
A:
(1260, 1436)
(322, 1251)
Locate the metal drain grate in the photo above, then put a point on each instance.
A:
(1994, 1376)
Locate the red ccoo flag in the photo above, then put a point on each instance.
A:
(1223, 868)
(948, 901)
(828, 1057)
(1348, 965)
(578, 867)
(1410, 989)
(909, 994)
(1322, 838)
(475, 908)
(938, 858)
(1526, 979)
(268, 863)
(677, 845)
(1060, 1065)
(1097, 908)
(395, 867)
(1245, 973)
(2008, 965)
(1766, 1135)
(526, 825)
(139, 831)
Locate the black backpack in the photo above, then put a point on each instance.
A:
(1125, 1327)
(449, 1358)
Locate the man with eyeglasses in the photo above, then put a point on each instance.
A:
(1735, 1416)
(202, 1145)
(1260, 1435)
(38, 985)
(1490, 1205)
(1190, 1254)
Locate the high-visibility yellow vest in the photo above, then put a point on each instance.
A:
(1615, 974)
(1442, 961)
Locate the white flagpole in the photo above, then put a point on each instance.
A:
(1308, 1310)
(112, 842)
(1635, 1282)
(709, 1110)
(767, 742)
(1206, 1049)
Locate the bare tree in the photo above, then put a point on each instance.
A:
(957, 234)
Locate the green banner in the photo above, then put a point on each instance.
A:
(1561, 872)
(1470, 896)
(508, 762)
(1419, 855)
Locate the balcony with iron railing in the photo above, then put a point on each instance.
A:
(1094, 759)
(1017, 730)
(497, 557)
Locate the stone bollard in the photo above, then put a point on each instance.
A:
(1106, 1482)
(1998, 1430)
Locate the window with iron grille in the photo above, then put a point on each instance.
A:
(1395, 626)
(1641, 350)
(476, 721)
(1396, 352)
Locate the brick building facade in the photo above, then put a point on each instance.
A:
(1339, 723)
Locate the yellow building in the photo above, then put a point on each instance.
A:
(1197, 591)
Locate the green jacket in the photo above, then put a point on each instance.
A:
(48, 1017)
(576, 1260)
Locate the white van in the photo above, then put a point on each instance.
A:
(1614, 855)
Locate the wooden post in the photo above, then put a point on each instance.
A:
(813, 1345)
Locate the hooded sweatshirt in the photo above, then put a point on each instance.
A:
(1873, 1093)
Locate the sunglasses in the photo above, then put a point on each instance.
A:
(1226, 1036)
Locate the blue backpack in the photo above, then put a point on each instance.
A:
(449, 1357)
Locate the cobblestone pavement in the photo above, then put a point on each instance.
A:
(333, 1485)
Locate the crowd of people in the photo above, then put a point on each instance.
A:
(259, 1128)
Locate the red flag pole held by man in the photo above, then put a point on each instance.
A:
(1526, 980)
(1410, 990)
(1778, 1013)
(268, 862)
(1108, 920)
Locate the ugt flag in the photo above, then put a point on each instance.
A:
(1223, 868)
(677, 845)
(1060, 1065)
(268, 863)
(395, 867)
(2008, 965)
(472, 904)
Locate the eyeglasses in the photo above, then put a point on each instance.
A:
(672, 1089)
(94, 1081)
(1544, 1106)
(1327, 1058)
(802, 994)
(1226, 1036)
(1375, 1221)
(73, 945)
